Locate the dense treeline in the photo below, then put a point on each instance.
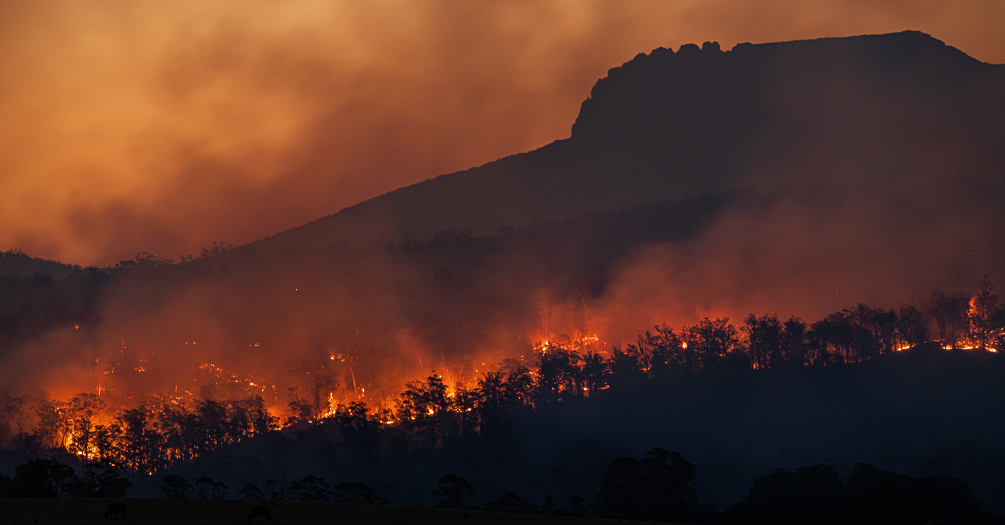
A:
(167, 430)
(659, 487)
(50, 478)
(144, 439)
(870, 495)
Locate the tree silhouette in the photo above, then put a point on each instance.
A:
(300, 409)
(81, 411)
(794, 343)
(912, 326)
(452, 492)
(880, 497)
(424, 406)
(323, 386)
(577, 505)
(102, 481)
(835, 336)
(277, 489)
(660, 487)
(659, 353)
(670, 489)
(548, 505)
(43, 478)
(11, 413)
(950, 314)
(310, 488)
(808, 495)
(251, 492)
(594, 373)
(53, 425)
(510, 502)
(983, 323)
(203, 486)
(764, 336)
(175, 487)
(558, 375)
(716, 345)
(885, 323)
(355, 492)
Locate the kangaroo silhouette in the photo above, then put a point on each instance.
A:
(116, 509)
(260, 510)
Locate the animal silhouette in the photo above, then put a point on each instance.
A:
(260, 510)
(116, 509)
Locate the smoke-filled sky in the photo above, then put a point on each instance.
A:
(130, 126)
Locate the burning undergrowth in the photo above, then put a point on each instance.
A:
(237, 322)
(128, 418)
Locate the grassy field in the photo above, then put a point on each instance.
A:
(153, 511)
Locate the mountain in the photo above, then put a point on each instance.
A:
(669, 125)
(697, 187)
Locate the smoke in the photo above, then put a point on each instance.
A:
(889, 200)
(138, 126)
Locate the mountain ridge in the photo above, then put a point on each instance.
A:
(668, 125)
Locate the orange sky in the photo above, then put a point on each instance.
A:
(130, 126)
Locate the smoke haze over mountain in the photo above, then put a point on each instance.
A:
(139, 126)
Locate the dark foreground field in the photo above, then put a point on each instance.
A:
(82, 511)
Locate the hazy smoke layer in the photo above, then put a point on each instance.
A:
(143, 126)
(867, 177)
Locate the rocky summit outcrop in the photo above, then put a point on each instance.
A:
(890, 109)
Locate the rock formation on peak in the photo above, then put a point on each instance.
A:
(669, 125)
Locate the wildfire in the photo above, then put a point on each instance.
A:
(448, 397)
(967, 345)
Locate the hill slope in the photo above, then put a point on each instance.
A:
(669, 125)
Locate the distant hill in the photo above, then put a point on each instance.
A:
(666, 125)
(15, 263)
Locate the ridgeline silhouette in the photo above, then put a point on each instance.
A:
(667, 126)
